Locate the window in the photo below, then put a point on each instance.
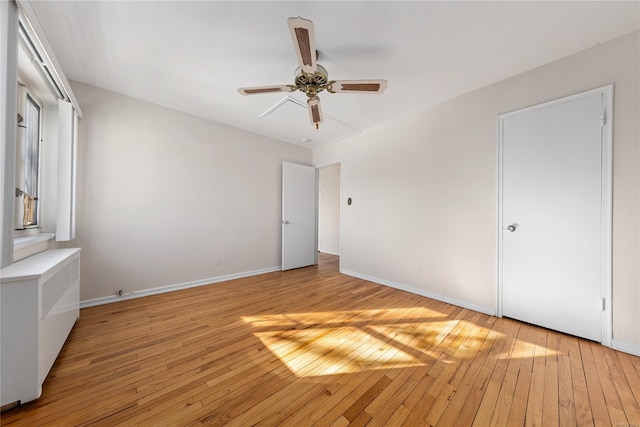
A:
(27, 161)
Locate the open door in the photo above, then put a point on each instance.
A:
(299, 244)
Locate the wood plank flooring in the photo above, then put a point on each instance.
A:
(311, 347)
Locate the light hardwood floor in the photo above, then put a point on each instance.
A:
(313, 347)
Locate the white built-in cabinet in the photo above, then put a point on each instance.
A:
(40, 303)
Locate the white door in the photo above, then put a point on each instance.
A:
(299, 245)
(552, 225)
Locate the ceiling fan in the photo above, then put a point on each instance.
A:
(311, 77)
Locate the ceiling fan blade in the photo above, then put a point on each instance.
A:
(265, 89)
(357, 86)
(304, 43)
(315, 111)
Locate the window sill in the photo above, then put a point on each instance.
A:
(25, 246)
(26, 241)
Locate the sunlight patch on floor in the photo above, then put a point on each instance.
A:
(330, 351)
(341, 342)
(532, 351)
(338, 342)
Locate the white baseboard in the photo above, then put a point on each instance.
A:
(626, 347)
(329, 252)
(171, 288)
(454, 301)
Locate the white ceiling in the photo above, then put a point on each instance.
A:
(192, 56)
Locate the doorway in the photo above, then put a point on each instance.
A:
(329, 197)
(555, 215)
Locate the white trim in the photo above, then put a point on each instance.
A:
(607, 216)
(176, 287)
(328, 165)
(557, 101)
(500, 133)
(606, 203)
(316, 231)
(422, 292)
(8, 110)
(626, 347)
(38, 37)
(342, 201)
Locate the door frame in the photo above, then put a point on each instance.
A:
(322, 166)
(606, 201)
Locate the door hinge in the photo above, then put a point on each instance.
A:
(603, 117)
(604, 305)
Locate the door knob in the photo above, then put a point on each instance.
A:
(512, 227)
(285, 222)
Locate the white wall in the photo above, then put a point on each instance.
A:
(329, 218)
(424, 187)
(162, 194)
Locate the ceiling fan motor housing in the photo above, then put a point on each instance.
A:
(311, 84)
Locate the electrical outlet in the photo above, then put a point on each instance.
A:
(218, 261)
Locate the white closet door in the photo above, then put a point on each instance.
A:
(552, 224)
